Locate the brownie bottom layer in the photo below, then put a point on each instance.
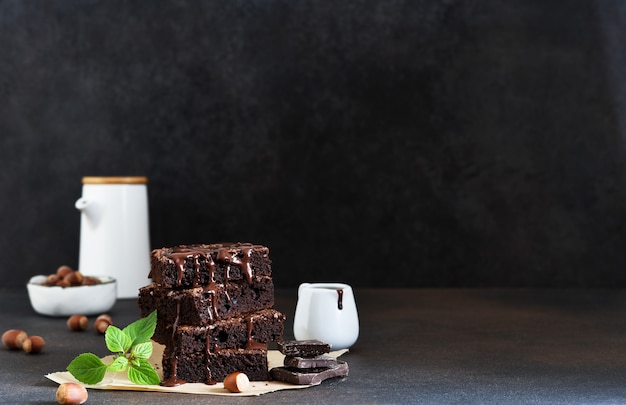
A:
(210, 368)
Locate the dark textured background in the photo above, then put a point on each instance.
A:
(393, 143)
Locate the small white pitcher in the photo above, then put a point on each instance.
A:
(114, 232)
(326, 312)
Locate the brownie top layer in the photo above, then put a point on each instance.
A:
(202, 264)
(213, 248)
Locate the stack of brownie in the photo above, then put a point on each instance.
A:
(306, 363)
(214, 311)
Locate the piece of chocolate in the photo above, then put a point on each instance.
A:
(310, 362)
(303, 348)
(309, 376)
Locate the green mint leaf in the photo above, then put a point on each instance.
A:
(119, 364)
(87, 368)
(132, 346)
(116, 340)
(143, 374)
(142, 330)
(142, 350)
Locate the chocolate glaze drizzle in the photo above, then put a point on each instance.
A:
(209, 349)
(173, 380)
(228, 255)
(250, 342)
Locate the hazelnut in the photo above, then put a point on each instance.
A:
(52, 279)
(71, 394)
(14, 338)
(62, 283)
(65, 276)
(105, 316)
(90, 280)
(33, 344)
(77, 322)
(74, 278)
(236, 382)
(64, 270)
(102, 323)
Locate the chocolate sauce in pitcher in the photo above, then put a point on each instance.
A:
(340, 299)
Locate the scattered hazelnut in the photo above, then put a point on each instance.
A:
(14, 338)
(77, 322)
(33, 344)
(236, 382)
(105, 316)
(64, 270)
(102, 323)
(71, 394)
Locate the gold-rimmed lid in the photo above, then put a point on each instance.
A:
(115, 180)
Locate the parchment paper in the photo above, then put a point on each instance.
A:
(119, 381)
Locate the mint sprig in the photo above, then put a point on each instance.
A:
(132, 348)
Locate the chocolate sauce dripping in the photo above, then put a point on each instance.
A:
(211, 265)
(196, 268)
(177, 319)
(251, 343)
(227, 296)
(245, 261)
(179, 258)
(211, 288)
(340, 299)
(173, 380)
(224, 257)
(208, 350)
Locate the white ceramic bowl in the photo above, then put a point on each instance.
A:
(67, 301)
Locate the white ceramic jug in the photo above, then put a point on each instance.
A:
(326, 312)
(114, 231)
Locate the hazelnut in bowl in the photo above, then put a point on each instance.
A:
(68, 292)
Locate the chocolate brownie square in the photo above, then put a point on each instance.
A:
(246, 331)
(202, 305)
(189, 266)
(209, 368)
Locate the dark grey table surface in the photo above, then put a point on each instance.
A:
(441, 346)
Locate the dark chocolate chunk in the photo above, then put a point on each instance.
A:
(309, 376)
(303, 348)
(310, 362)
